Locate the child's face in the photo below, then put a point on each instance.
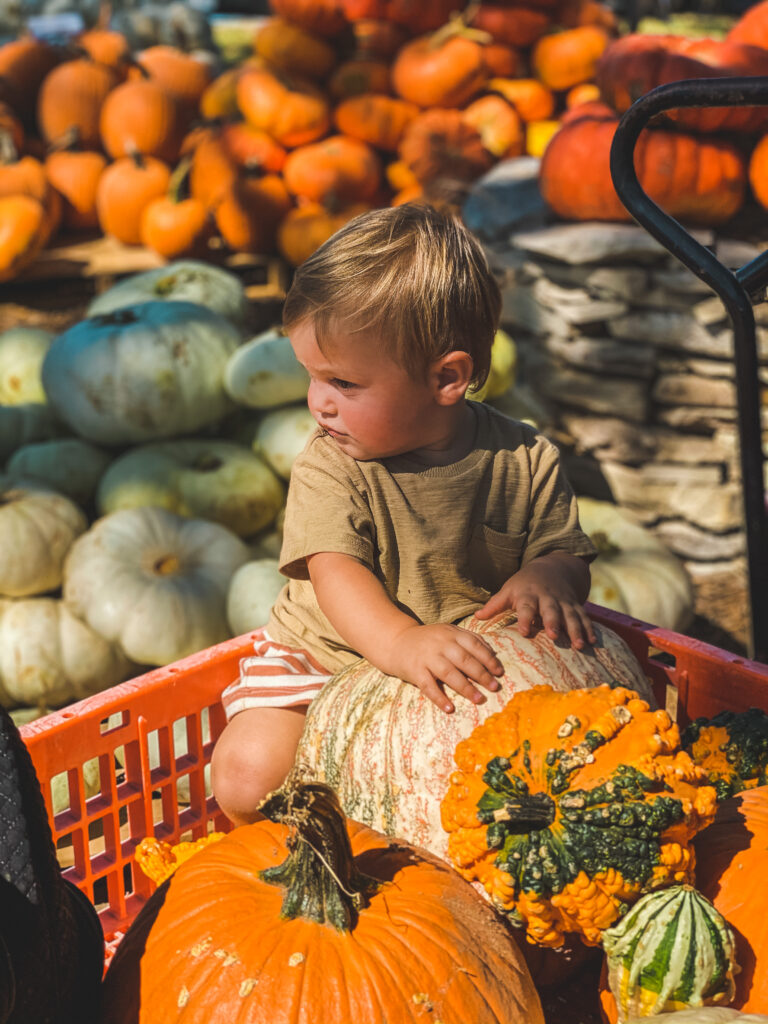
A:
(368, 404)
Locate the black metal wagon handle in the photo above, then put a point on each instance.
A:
(738, 290)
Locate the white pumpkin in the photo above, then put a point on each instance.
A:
(70, 466)
(154, 582)
(264, 373)
(37, 529)
(282, 435)
(197, 478)
(22, 350)
(252, 592)
(49, 657)
(139, 374)
(634, 572)
(23, 424)
(182, 281)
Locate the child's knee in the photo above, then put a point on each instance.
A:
(251, 758)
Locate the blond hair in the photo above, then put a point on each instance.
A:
(413, 278)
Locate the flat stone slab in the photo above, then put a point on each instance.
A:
(603, 355)
(576, 305)
(690, 389)
(690, 541)
(595, 242)
(505, 199)
(674, 330)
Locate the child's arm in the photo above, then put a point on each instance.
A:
(553, 587)
(361, 611)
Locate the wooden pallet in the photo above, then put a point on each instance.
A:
(102, 259)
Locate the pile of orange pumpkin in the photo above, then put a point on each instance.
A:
(344, 105)
(698, 164)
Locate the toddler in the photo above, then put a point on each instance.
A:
(410, 506)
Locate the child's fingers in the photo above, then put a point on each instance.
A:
(527, 610)
(478, 660)
(579, 627)
(430, 688)
(493, 606)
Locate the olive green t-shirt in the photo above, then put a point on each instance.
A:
(441, 539)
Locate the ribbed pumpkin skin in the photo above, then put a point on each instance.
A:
(388, 751)
(567, 806)
(673, 950)
(219, 953)
(731, 868)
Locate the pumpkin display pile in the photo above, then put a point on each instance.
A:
(341, 106)
(700, 165)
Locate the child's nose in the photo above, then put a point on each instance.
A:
(320, 399)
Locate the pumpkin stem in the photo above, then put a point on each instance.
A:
(603, 543)
(9, 153)
(319, 876)
(178, 184)
(458, 25)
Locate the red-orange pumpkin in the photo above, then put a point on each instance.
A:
(441, 145)
(306, 911)
(75, 176)
(376, 119)
(24, 63)
(635, 64)
(175, 224)
(567, 58)
(70, 100)
(306, 227)
(291, 48)
(731, 861)
(248, 213)
(752, 27)
(23, 233)
(322, 17)
(699, 181)
(182, 75)
(415, 15)
(499, 124)
(516, 24)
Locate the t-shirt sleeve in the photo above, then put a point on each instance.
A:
(325, 511)
(553, 523)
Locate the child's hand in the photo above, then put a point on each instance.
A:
(547, 589)
(428, 656)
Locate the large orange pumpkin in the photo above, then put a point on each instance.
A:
(175, 224)
(75, 176)
(23, 232)
(752, 27)
(440, 145)
(292, 110)
(27, 176)
(288, 46)
(567, 58)
(700, 181)
(306, 227)
(310, 917)
(71, 98)
(24, 63)
(182, 75)
(339, 169)
(140, 117)
(442, 70)
(731, 865)
(376, 119)
(125, 188)
(247, 214)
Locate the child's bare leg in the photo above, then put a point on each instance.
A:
(252, 757)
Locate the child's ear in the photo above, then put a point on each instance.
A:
(451, 375)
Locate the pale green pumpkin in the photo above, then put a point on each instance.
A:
(282, 435)
(49, 657)
(69, 465)
(182, 281)
(197, 478)
(252, 592)
(140, 374)
(25, 424)
(264, 373)
(37, 528)
(22, 350)
(153, 582)
(671, 951)
(634, 572)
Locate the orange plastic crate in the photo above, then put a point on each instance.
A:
(142, 761)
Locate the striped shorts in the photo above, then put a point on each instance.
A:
(274, 676)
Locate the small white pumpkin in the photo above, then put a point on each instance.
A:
(252, 592)
(70, 466)
(140, 374)
(281, 437)
(22, 350)
(182, 281)
(264, 373)
(37, 529)
(23, 424)
(154, 582)
(49, 657)
(634, 572)
(197, 478)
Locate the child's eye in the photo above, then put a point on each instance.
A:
(345, 385)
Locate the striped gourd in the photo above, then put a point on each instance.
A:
(673, 950)
(388, 751)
